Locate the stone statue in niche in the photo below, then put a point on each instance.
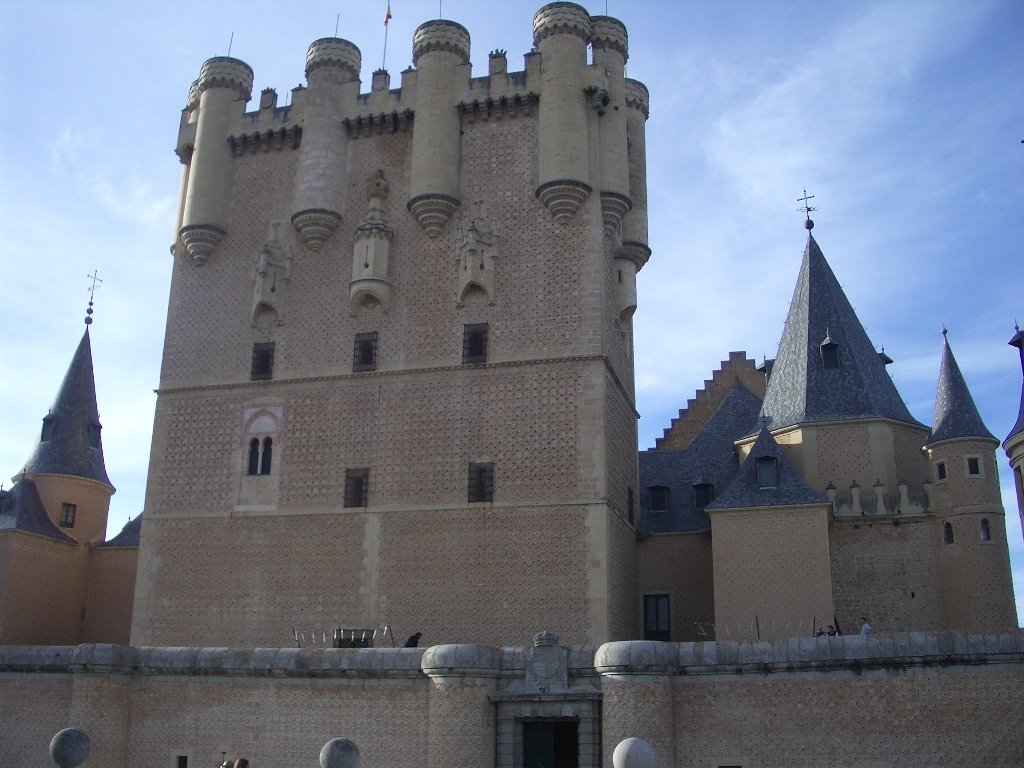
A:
(476, 247)
(273, 271)
(371, 250)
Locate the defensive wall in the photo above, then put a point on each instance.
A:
(902, 699)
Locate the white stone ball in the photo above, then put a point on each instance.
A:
(633, 753)
(339, 753)
(70, 747)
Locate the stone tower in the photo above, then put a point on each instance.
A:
(1014, 442)
(397, 382)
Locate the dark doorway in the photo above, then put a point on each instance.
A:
(551, 744)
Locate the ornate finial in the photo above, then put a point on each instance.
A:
(945, 330)
(806, 210)
(92, 295)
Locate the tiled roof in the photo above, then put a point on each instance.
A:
(74, 412)
(801, 388)
(129, 535)
(22, 509)
(1018, 428)
(745, 491)
(709, 458)
(956, 415)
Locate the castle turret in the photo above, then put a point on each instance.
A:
(332, 72)
(974, 558)
(561, 32)
(223, 88)
(633, 251)
(611, 51)
(1014, 442)
(440, 50)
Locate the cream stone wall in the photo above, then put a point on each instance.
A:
(108, 604)
(91, 499)
(771, 572)
(680, 565)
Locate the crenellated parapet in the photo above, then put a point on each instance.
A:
(561, 19)
(443, 36)
(335, 55)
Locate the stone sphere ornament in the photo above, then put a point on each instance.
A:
(339, 753)
(70, 747)
(633, 753)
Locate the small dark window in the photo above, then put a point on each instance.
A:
(262, 361)
(254, 457)
(830, 356)
(940, 470)
(94, 435)
(702, 494)
(364, 355)
(629, 505)
(658, 498)
(947, 533)
(268, 453)
(656, 618)
(356, 482)
(481, 481)
(474, 343)
(974, 466)
(768, 472)
(67, 515)
(182, 762)
(49, 425)
(986, 534)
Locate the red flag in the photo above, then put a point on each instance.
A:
(387, 16)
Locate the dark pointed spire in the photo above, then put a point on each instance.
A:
(956, 415)
(827, 369)
(70, 441)
(1018, 342)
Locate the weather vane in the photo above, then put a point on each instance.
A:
(92, 294)
(806, 209)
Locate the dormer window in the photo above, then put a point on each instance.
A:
(702, 494)
(767, 472)
(658, 495)
(829, 352)
(49, 426)
(94, 435)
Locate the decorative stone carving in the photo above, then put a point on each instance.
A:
(475, 248)
(273, 272)
(371, 249)
(433, 211)
(547, 664)
(315, 226)
(613, 207)
(200, 240)
(563, 197)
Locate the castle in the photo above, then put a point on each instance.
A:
(399, 347)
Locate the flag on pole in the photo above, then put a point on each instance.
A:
(387, 16)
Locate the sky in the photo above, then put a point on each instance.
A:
(904, 119)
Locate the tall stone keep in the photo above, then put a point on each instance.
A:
(400, 391)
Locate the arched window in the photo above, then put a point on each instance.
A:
(268, 451)
(254, 457)
(986, 534)
(947, 533)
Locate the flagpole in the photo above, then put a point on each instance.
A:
(384, 59)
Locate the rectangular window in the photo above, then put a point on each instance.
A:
(656, 617)
(474, 343)
(182, 762)
(702, 493)
(67, 515)
(364, 355)
(356, 485)
(481, 481)
(94, 435)
(973, 466)
(49, 424)
(940, 470)
(262, 360)
(658, 498)
(768, 472)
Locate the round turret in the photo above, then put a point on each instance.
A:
(193, 96)
(335, 53)
(638, 97)
(225, 72)
(440, 35)
(610, 33)
(561, 19)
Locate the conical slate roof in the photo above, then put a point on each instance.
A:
(1018, 428)
(956, 415)
(21, 509)
(803, 386)
(70, 441)
(748, 491)
(129, 535)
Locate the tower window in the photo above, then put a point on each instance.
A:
(481, 481)
(657, 624)
(260, 456)
(268, 450)
(262, 360)
(67, 515)
(973, 466)
(474, 343)
(768, 472)
(254, 457)
(986, 533)
(364, 355)
(94, 435)
(356, 483)
(658, 498)
(49, 426)
(829, 352)
(702, 494)
(940, 470)
(947, 533)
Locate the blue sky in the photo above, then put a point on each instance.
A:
(903, 119)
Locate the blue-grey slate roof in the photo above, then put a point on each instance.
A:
(801, 389)
(709, 458)
(21, 509)
(745, 492)
(956, 415)
(74, 410)
(1018, 428)
(129, 535)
